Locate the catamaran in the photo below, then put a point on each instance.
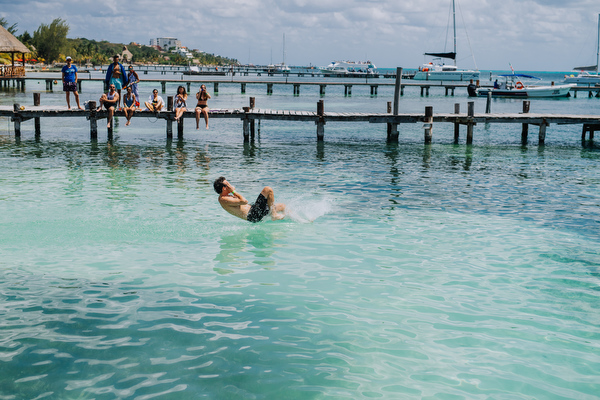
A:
(587, 75)
(439, 71)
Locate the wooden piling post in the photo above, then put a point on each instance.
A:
(347, 90)
(296, 89)
(488, 104)
(525, 127)
(79, 85)
(470, 123)
(93, 121)
(17, 119)
(456, 124)
(180, 128)
(392, 134)
(252, 122)
(542, 134)
(321, 121)
(428, 124)
(36, 102)
(169, 117)
(216, 89)
(243, 88)
(269, 88)
(163, 85)
(322, 90)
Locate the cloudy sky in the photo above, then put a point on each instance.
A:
(532, 35)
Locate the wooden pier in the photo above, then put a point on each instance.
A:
(249, 115)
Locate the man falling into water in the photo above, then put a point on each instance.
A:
(235, 204)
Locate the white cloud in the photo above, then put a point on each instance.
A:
(532, 34)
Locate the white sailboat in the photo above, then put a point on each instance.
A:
(442, 72)
(281, 67)
(587, 75)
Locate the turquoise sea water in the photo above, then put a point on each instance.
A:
(404, 271)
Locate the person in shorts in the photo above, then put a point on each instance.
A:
(69, 79)
(235, 204)
(115, 75)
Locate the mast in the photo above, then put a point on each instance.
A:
(598, 47)
(283, 63)
(454, 26)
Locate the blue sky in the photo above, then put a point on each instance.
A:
(532, 35)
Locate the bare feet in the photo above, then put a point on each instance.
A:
(81, 108)
(206, 126)
(127, 123)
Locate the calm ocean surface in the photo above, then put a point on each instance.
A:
(403, 271)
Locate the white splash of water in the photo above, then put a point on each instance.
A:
(306, 209)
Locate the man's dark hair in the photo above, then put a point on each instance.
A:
(219, 185)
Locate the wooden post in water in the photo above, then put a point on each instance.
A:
(542, 134)
(269, 88)
(252, 105)
(243, 88)
(169, 117)
(488, 104)
(525, 128)
(17, 119)
(322, 89)
(93, 122)
(456, 124)
(393, 128)
(246, 125)
(428, 124)
(36, 102)
(216, 89)
(163, 85)
(470, 123)
(321, 121)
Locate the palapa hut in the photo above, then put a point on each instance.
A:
(12, 45)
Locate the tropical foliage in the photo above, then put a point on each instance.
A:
(49, 43)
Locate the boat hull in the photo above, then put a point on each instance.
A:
(528, 91)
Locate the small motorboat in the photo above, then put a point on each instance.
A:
(514, 87)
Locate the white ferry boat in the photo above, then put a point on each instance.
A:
(348, 68)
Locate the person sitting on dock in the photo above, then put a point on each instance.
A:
(69, 78)
(115, 75)
(236, 205)
(109, 101)
(155, 102)
(129, 104)
(180, 102)
(202, 106)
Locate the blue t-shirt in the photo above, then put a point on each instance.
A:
(69, 73)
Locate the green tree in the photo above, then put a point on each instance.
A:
(49, 40)
(12, 29)
(25, 38)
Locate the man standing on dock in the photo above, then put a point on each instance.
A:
(116, 75)
(235, 204)
(69, 78)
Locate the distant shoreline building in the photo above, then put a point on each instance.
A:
(166, 43)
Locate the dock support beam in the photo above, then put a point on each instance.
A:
(392, 134)
(374, 90)
(591, 128)
(17, 119)
(456, 124)
(470, 123)
(169, 117)
(36, 102)
(347, 90)
(216, 89)
(252, 121)
(488, 104)
(93, 121)
(428, 124)
(163, 85)
(269, 88)
(296, 89)
(322, 90)
(542, 134)
(243, 88)
(321, 121)
(525, 127)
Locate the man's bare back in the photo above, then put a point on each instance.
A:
(236, 204)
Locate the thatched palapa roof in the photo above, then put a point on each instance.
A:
(10, 44)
